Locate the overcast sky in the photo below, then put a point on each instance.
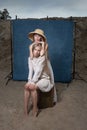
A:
(44, 8)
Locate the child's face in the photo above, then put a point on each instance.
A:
(36, 51)
(37, 38)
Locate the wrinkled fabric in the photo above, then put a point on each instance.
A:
(41, 73)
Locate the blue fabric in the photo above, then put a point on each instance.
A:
(59, 35)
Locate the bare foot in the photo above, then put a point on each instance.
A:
(35, 113)
(26, 114)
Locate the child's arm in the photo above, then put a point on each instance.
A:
(44, 48)
(31, 50)
(31, 53)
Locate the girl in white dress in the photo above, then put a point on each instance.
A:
(38, 36)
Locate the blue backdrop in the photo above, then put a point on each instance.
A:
(59, 35)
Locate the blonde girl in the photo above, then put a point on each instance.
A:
(36, 37)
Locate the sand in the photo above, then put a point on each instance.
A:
(70, 112)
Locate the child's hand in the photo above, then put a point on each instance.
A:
(42, 53)
(42, 42)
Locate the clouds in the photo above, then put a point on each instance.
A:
(43, 8)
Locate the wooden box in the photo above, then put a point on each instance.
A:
(45, 99)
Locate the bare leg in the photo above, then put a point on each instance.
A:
(34, 100)
(26, 100)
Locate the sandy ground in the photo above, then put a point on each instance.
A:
(70, 112)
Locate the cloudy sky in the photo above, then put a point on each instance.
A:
(44, 8)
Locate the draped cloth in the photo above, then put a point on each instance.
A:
(52, 79)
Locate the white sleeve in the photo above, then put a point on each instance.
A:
(39, 69)
(30, 67)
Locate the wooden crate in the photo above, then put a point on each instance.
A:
(45, 99)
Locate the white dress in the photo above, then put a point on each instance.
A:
(41, 73)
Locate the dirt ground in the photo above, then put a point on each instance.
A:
(70, 112)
